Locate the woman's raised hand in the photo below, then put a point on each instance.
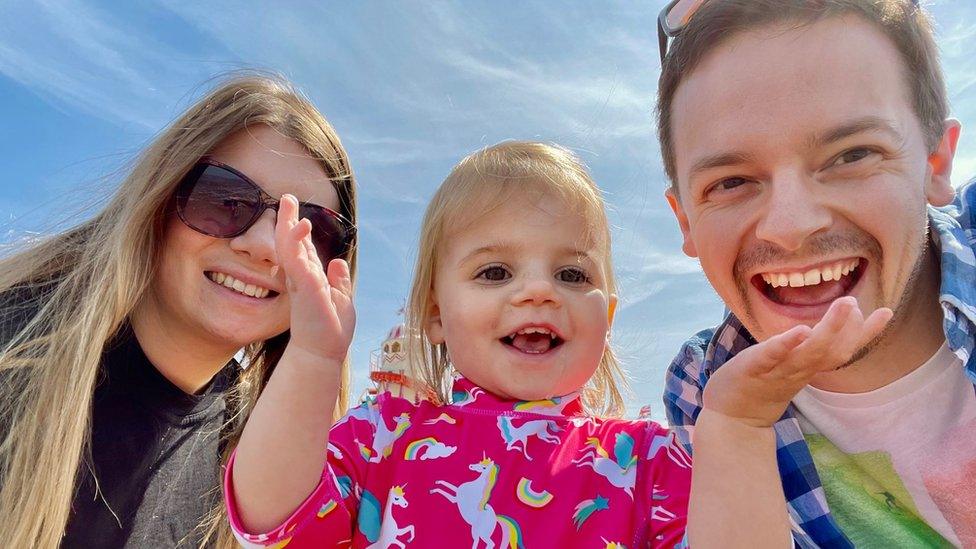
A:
(323, 318)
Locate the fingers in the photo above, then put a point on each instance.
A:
(769, 354)
(296, 253)
(876, 322)
(339, 276)
(840, 333)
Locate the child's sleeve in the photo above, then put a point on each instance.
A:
(327, 516)
(670, 467)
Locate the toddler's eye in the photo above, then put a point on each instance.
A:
(572, 275)
(494, 273)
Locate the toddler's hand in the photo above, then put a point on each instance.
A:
(757, 384)
(322, 314)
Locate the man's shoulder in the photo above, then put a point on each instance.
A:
(963, 208)
(692, 353)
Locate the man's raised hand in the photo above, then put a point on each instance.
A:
(757, 384)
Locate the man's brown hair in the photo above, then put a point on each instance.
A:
(908, 26)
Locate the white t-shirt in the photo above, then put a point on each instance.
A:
(898, 464)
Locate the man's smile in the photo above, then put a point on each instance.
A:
(813, 286)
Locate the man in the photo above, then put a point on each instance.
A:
(809, 151)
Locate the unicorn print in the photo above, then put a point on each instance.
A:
(676, 453)
(364, 412)
(515, 436)
(383, 533)
(619, 471)
(472, 498)
(385, 437)
(460, 398)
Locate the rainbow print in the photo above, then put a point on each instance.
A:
(414, 448)
(365, 451)
(427, 448)
(530, 497)
(512, 532)
(326, 508)
(536, 404)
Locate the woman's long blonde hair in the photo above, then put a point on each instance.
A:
(525, 171)
(87, 280)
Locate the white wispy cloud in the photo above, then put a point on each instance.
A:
(82, 57)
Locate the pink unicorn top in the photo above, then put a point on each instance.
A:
(489, 472)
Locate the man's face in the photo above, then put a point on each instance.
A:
(803, 173)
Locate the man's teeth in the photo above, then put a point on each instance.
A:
(230, 282)
(813, 276)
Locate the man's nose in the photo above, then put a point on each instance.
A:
(793, 211)
(258, 242)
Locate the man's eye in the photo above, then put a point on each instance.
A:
(730, 183)
(494, 273)
(852, 156)
(572, 275)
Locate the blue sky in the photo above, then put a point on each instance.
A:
(411, 87)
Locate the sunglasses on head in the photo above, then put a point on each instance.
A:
(219, 201)
(675, 16)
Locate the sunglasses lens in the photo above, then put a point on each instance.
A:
(679, 14)
(217, 202)
(330, 235)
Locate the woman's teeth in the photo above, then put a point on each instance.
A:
(238, 286)
(812, 277)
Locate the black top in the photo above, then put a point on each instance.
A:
(155, 450)
(155, 455)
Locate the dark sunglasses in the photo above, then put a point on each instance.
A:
(675, 16)
(219, 201)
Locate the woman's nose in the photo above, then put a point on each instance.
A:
(258, 241)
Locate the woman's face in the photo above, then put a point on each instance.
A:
(194, 289)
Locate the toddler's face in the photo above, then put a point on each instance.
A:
(521, 301)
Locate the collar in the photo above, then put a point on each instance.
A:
(127, 374)
(950, 230)
(464, 393)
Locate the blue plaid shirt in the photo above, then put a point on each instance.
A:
(953, 232)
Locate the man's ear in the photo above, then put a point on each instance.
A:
(939, 191)
(433, 326)
(688, 246)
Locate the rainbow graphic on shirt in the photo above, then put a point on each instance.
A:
(529, 496)
(326, 508)
(427, 448)
(365, 451)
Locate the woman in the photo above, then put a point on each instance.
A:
(118, 336)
